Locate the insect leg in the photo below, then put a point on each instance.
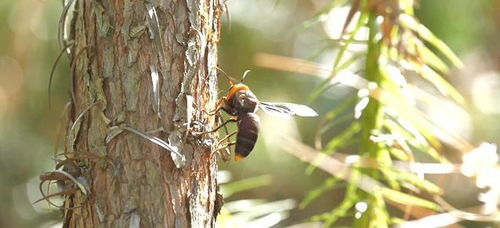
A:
(233, 119)
(218, 106)
(227, 137)
(225, 151)
(225, 127)
(226, 146)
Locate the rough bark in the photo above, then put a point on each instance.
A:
(133, 182)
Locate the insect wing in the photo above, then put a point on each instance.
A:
(287, 110)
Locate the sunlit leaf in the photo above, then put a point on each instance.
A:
(329, 184)
(432, 60)
(411, 23)
(408, 117)
(396, 220)
(390, 177)
(397, 126)
(320, 16)
(338, 65)
(399, 154)
(441, 84)
(348, 117)
(340, 211)
(413, 139)
(339, 141)
(340, 108)
(419, 182)
(407, 199)
(376, 215)
(394, 81)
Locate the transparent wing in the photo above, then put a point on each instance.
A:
(287, 110)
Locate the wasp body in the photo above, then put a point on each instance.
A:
(242, 104)
(248, 131)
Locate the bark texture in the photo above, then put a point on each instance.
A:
(117, 50)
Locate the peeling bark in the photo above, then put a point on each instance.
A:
(117, 50)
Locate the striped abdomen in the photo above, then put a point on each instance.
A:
(248, 130)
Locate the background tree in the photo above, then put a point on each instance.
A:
(139, 67)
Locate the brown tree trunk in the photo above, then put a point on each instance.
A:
(117, 48)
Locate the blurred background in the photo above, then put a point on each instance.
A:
(28, 129)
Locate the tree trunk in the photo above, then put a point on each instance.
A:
(118, 47)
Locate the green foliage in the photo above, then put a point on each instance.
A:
(389, 127)
(329, 218)
(328, 185)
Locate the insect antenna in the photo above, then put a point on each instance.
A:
(231, 80)
(244, 75)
